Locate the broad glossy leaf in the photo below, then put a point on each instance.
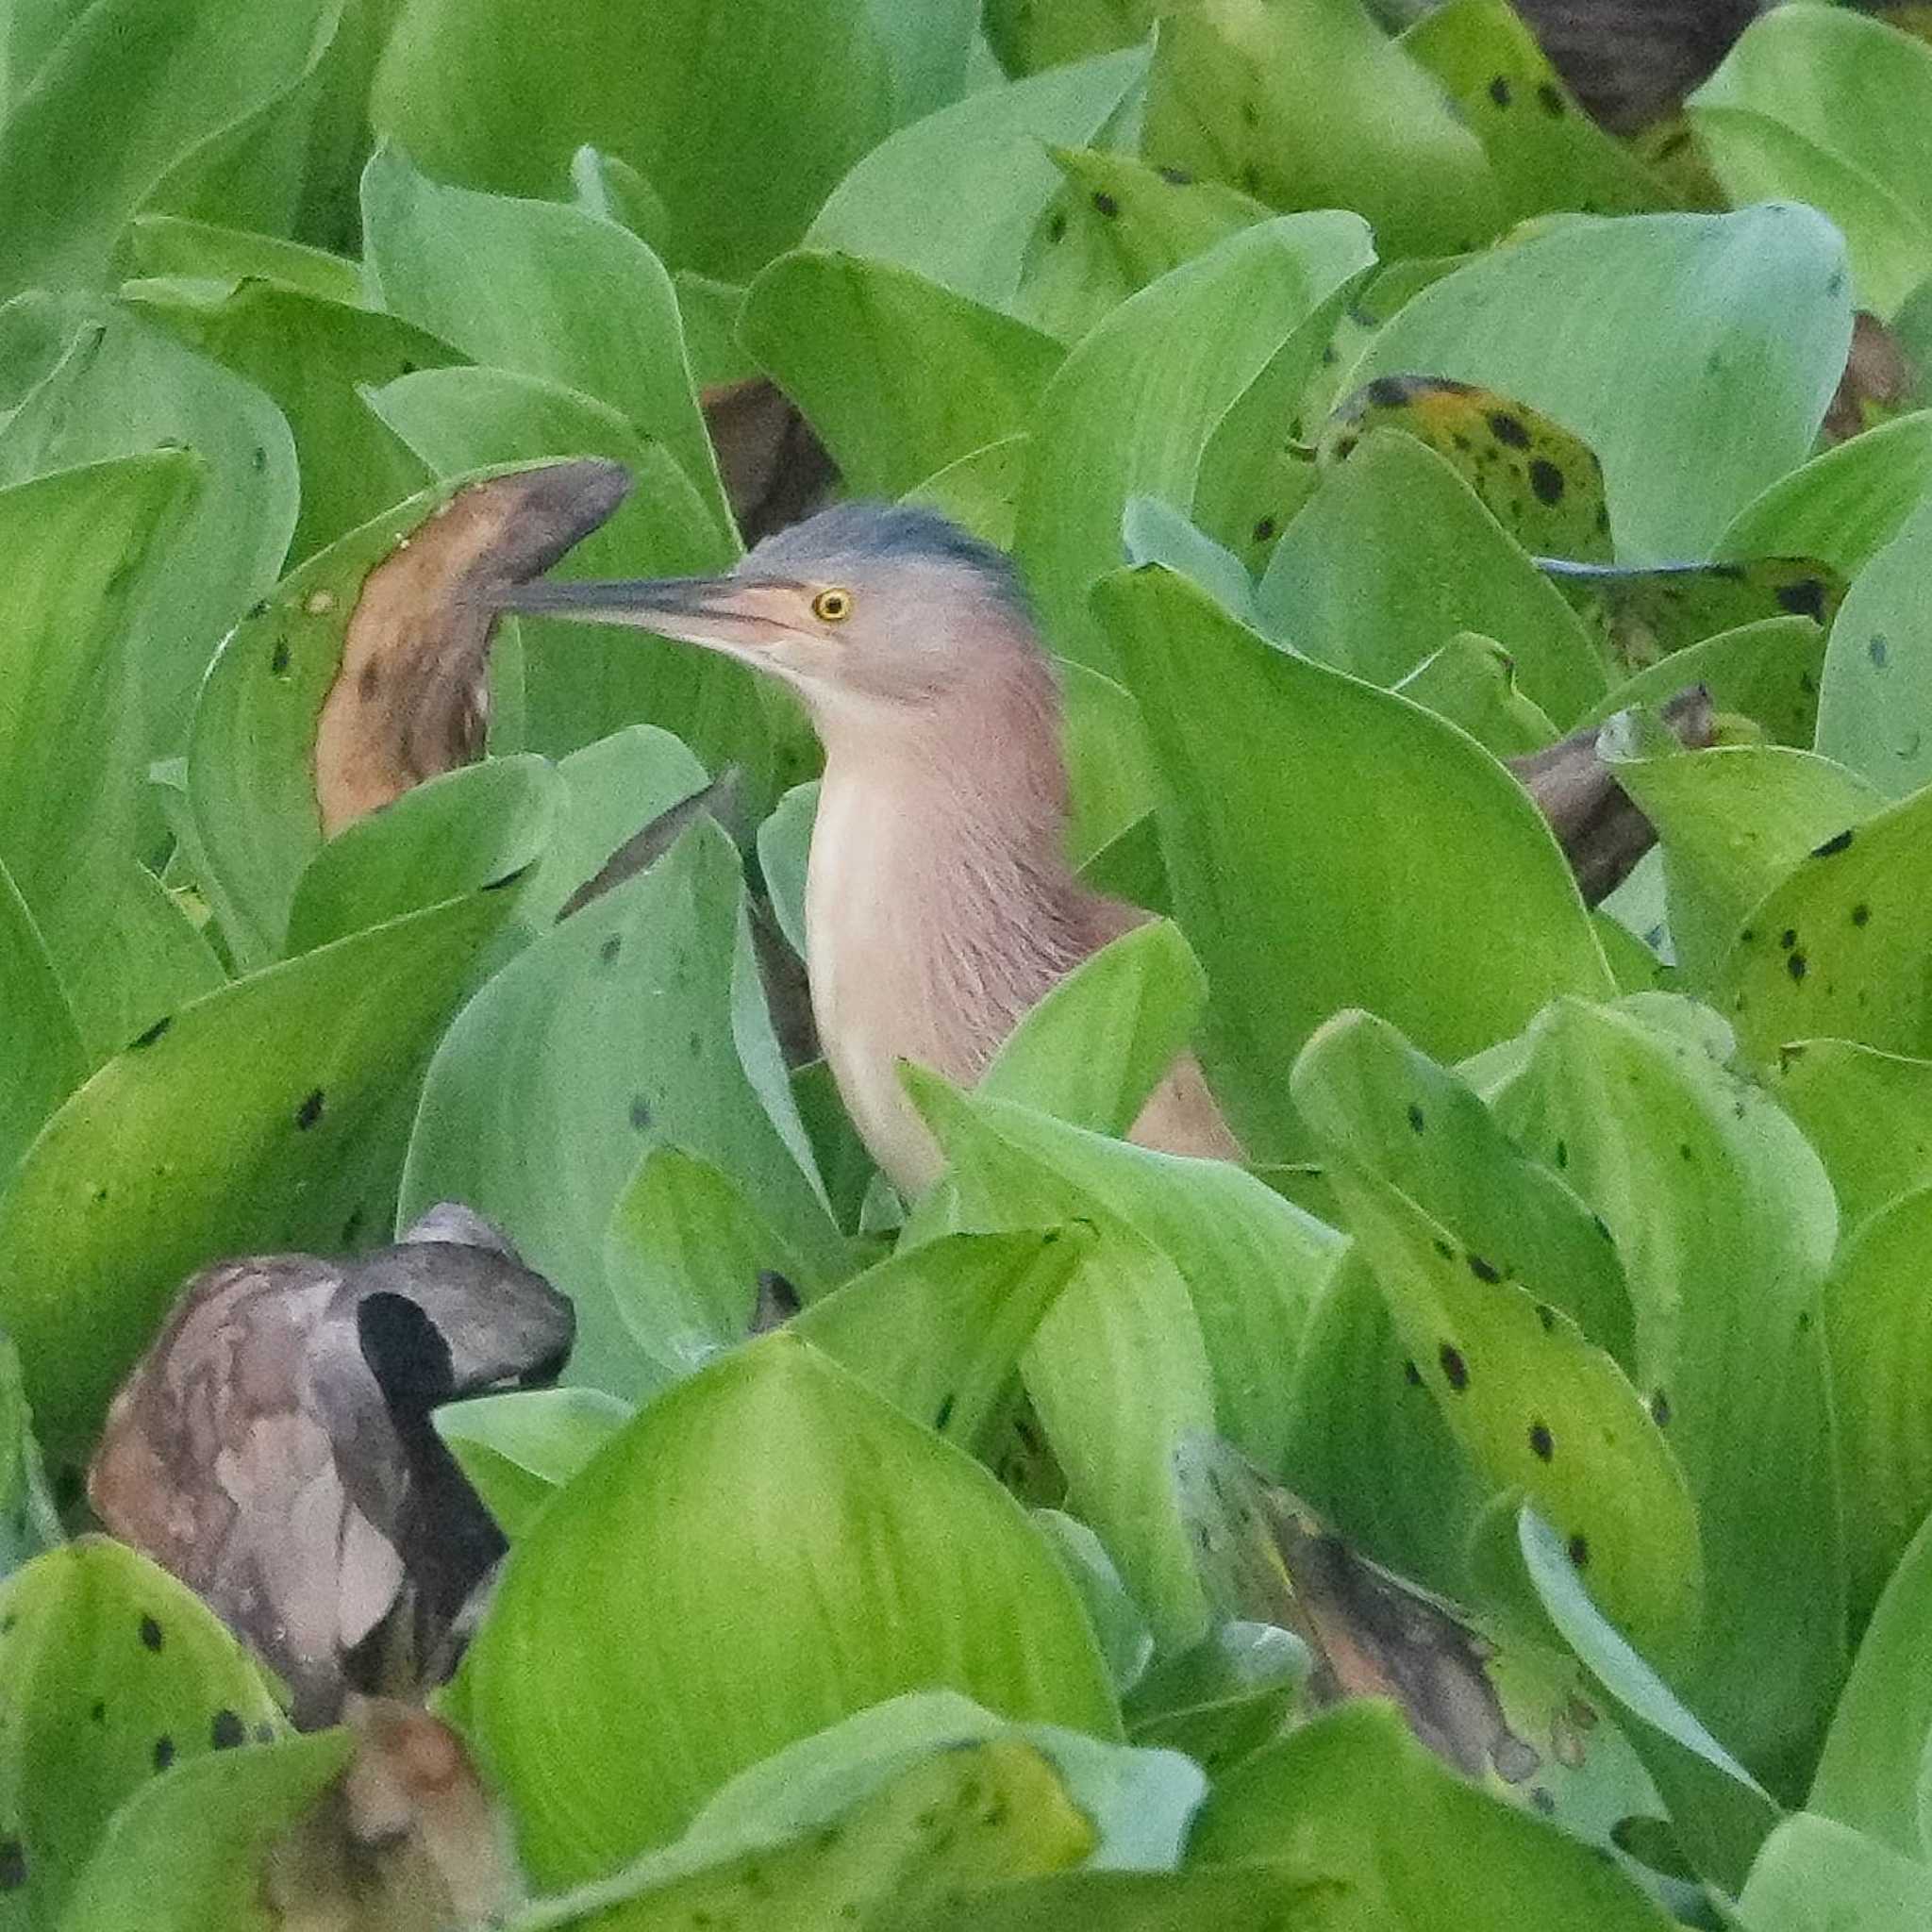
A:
(204, 251)
(1877, 678)
(637, 1020)
(1843, 507)
(1471, 682)
(112, 1672)
(898, 375)
(1725, 1222)
(1109, 777)
(1872, 1773)
(238, 1127)
(1028, 37)
(1546, 153)
(1351, 1803)
(309, 354)
(741, 134)
(1695, 354)
(1869, 1115)
(1115, 225)
(1831, 108)
(1133, 409)
(980, 491)
(1394, 556)
(28, 1522)
(1306, 104)
(40, 1044)
(1097, 1045)
(1543, 485)
(152, 960)
(765, 1506)
(542, 290)
(986, 157)
(517, 1450)
(1529, 1390)
(1838, 946)
(1813, 1874)
(175, 75)
(1294, 797)
(1247, 1898)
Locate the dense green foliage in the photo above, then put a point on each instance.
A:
(1359, 415)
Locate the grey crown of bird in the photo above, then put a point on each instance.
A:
(939, 906)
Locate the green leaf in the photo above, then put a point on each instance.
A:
(1471, 682)
(899, 376)
(40, 1044)
(1870, 1775)
(28, 1522)
(1352, 1804)
(1725, 1222)
(1528, 1386)
(1028, 37)
(1879, 666)
(987, 157)
(741, 134)
(1306, 103)
(766, 1504)
(204, 251)
(1133, 409)
(1394, 554)
(1695, 354)
(518, 1449)
(1838, 946)
(173, 76)
(236, 1127)
(1868, 1114)
(186, 1851)
(1546, 153)
(1830, 107)
(1100, 1041)
(112, 1671)
(541, 290)
(1765, 671)
(1336, 905)
(1813, 1874)
(639, 1020)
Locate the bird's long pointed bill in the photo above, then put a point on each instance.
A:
(726, 613)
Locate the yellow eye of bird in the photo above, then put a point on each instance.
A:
(832, 606)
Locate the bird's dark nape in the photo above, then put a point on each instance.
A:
(892, 533)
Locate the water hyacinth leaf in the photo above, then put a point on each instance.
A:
(1831, 108)
(309, 354)
(190, 1847)
(1720, 1814)
(517, 1450)
(1543, 485)
(40, 1044)
(1109, 777)
(1471, 682)
(1132, 409)
(1869, 1115)
(1378, 297)
(1837, 948)
(175, 247)
(1547, 155)
(153, 961)
(1727, 1222)
(1733, 821)
(1124, 1638)
(1154, 532)
(1098, 1044)
(178, 75)
(988, 156)
(639, 1020)
(1338, 906)
(1115, 225)
(1394, 556)
(1880, 1345)
(1879, 666)
(1695, 354)
(1351, 1803)
(86, 546)
(1306, 104)
(1029, 38)
(751, 1507)
(1767, 672)
(898, 375)
(1228, 1696)
(1813, 1871)
(542, 290)
(1646, 616)
(1843, 507)
(981, 491)
(457, 832)
(1534, 1402)
(238, 1127)
(938, 1329)
(1871, 1774)
(28, 1521)
(113, 1672)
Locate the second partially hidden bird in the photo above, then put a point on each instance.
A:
(939, 906)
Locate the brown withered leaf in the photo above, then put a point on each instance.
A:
(272, 1448)
(774, 469)
(1878, 382)
(405, 1840)
(411, 697)
(1630, 61)
(1596, 822)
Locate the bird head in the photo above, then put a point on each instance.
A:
(871, 613)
